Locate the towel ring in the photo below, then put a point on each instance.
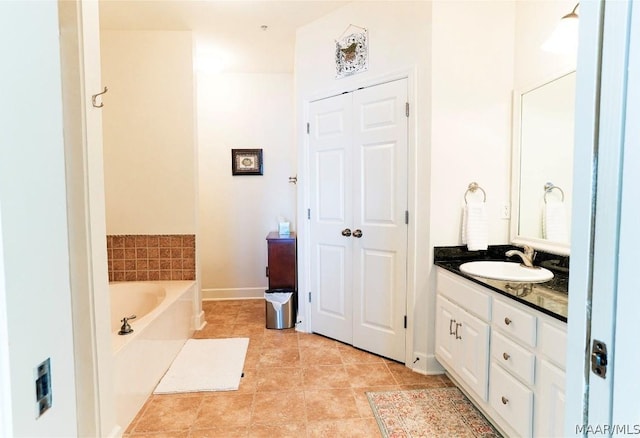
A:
(548, 187)
(473, 187)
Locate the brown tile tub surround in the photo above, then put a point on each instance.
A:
(152, 257)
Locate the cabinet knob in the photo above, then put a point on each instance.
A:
(506, 356)
(507, 321)
(451, 321)
(458, 324)
(346, 232)
(357, 233)
(504, 400)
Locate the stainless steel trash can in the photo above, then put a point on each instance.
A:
(280, 308)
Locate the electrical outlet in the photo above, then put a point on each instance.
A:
(505, 211)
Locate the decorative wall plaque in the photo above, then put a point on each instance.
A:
(352, 51)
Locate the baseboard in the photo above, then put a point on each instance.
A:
(433, 366)
(419, 363)
(199, 321)
(116, 432)
(233, 294)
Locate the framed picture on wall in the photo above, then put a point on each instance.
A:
(246, 161)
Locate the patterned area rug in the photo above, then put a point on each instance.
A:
(437, 412)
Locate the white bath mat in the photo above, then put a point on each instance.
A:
(206, 365)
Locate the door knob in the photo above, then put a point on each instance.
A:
(357, 233)
(346, 232)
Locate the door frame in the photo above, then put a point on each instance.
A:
(597, 241)
(304, 256)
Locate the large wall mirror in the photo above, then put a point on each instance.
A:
(543, 164)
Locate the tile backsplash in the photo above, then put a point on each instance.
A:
(152, 257)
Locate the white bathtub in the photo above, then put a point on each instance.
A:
(164, 321)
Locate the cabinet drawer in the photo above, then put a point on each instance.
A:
(470, 297)
(515, 358)
(512, 400)
(515, 322)
(552, 342)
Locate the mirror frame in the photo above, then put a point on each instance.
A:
(516, 239)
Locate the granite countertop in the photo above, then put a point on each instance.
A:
(550, 297)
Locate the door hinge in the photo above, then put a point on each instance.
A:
(309, 296)
(308, 128)
(405, 321)
(406, 217)
(599, 358)
(266, 271)
(309, 213)
(406, 109)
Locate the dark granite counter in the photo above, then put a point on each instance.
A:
(550, 297)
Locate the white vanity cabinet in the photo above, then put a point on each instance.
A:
(510, 360)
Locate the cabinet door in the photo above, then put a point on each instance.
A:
(473, 352)
(549, 400)
(445, 329)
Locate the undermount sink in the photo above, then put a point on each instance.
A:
(506, 271)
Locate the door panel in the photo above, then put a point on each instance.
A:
(378, 198)
(378, 308)
(330, 200)
(379, 206)
(358, 165)
(331, 197)
(474, 355)
(445, 323)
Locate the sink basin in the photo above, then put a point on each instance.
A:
(506, 271)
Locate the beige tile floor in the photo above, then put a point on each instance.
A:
(294, 385)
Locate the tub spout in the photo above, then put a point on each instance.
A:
(126, 328)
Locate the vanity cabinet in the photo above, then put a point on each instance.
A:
(510, 359)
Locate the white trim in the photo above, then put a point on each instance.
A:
(516, 239)
(199, 321)
(304, 310)
(247, 293)
(581, 231)
(605, 252)
(6, 423)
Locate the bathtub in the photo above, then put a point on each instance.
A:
(164, 321)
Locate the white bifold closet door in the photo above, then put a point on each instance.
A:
(358, 217)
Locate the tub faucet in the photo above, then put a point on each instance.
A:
(126, 328)
(527, 256)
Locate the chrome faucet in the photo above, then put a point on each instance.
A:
(526, 256)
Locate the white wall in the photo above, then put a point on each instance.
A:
(462, 56)
(253, 111)
(149, 132)
(472, 88)
(34, 220)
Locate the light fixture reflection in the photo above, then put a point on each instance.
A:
(564, 38)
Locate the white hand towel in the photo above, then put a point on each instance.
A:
(475, 226)
(554, 222)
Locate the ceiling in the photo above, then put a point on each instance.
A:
(228, 34)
